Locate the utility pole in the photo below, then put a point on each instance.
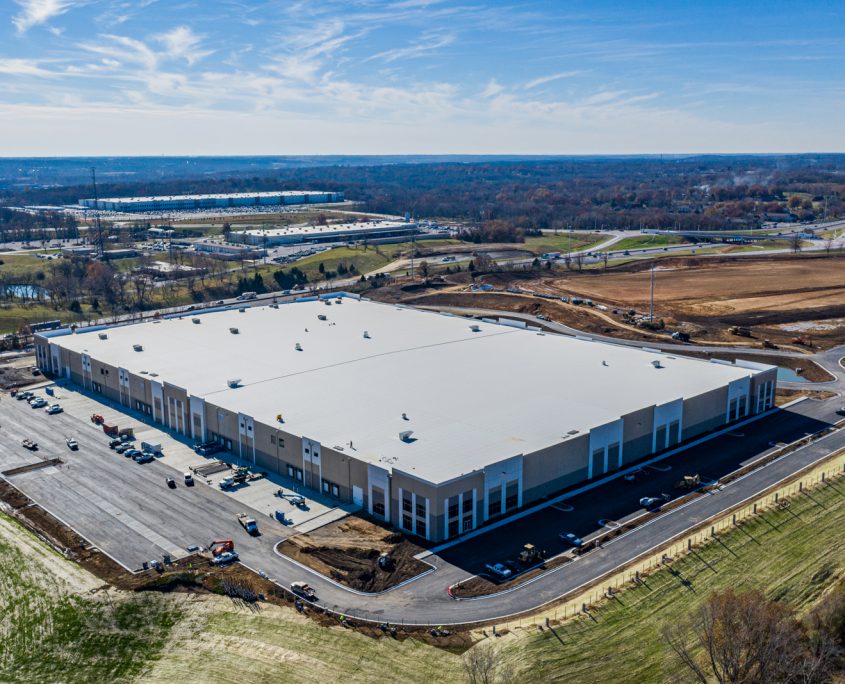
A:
(98, 233)
(651, 302)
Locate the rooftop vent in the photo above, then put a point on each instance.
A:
(297, 346)
(657, 364)
(321, 317)
(195, 321)
(234, 331)
(405, 435)
(242, 310)
(327, 302)
(572, 432)
(366, 335)
(234, 382)
(138, 347)
(103, 336)
(475, 328)
(155, 375)
(274, 306)
(405, 416)
(339, 301)
(604, 363)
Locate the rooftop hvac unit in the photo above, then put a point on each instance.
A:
(321, 317)
(234, 331)
(297, 346)
(241, 310)
(657, 364)
(274, 306)
(475, 328)
(366, 335)
(103, 336)
(234, 382)
(405, 435)
(195, 321)
(138, 347)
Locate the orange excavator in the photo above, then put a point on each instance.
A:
(218, 546)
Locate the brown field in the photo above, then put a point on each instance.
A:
(779, 298)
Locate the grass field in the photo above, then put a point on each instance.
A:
(792, 555)
(645, 241)
(53, 629)
(563, 242)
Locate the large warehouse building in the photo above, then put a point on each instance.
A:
(434, 423)
(219, 201)
(333, 232)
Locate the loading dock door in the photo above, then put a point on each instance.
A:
(357, 495)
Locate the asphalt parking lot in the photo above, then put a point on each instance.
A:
(124, 507)
(595, 512)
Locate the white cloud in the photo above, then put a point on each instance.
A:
(426, 44)
(553, 77)
(182, 43)
(23, 67)
(36, 12)
(493, 89)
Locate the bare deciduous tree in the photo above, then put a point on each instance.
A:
(743, 638)
(483, 664)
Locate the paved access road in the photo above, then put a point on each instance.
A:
(127, 510)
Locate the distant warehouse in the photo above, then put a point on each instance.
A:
(333, 232)
(218, 201)
(434, 423)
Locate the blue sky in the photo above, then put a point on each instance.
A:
(420, 76)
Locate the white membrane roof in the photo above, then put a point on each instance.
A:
(471, 398)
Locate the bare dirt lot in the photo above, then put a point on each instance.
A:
(348, 551)
(17, 371)
(762, 293)
(780, 298)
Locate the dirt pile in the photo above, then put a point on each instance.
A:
(348, 552)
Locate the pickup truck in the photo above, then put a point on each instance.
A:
(248, 523)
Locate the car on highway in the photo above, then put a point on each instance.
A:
(38, 403)
(841, 411)
(571, 539)
(653, 503)
(54, 409)
(227, 483)
(72, 444)
(144, 458)
(132, 453)
(122, 447)
(24, 396)
(171, 483)
(189, 479)
(499, 569)
(225, 557)
(114, 443)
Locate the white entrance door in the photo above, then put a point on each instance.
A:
(357, 496)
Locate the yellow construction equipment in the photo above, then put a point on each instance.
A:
(530, 554)
(689, 482)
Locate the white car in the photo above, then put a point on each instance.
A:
(499, 570)
(72, 444)
(54, 409)
(37, 403)
(225, 557)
